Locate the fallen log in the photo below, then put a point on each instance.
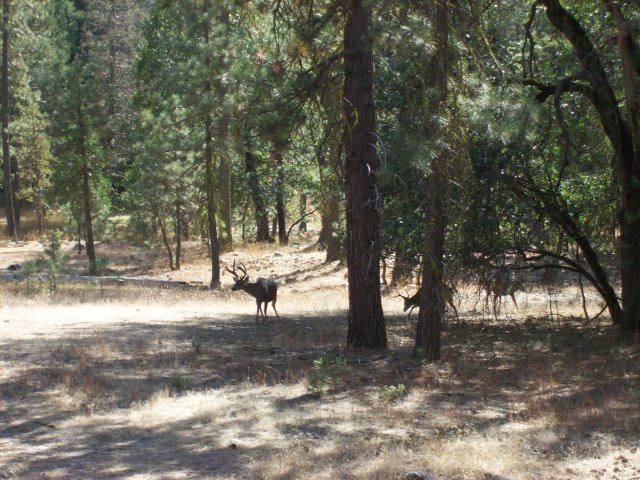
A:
(104, 280)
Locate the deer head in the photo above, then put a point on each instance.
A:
(240, 282)
(409, 301)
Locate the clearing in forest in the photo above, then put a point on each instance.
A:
(103, 381)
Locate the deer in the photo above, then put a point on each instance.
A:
(411, 302)
(264, 290)
(501, 285)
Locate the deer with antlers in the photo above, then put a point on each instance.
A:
(264, 290)
(411, 302)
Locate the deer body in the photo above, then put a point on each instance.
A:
(411, 302)
(502, 284)
(264, 290)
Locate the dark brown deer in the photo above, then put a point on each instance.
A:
(411, 302)
(264, 290)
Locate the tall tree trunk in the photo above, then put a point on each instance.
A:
(431, 302)
(6, 161)
(280, 208)
(178, 226)
(302, 228)
(87, 193)
(366, 320)
(78, 60)
(261, 217)
(88, 219)
(224, 167)
(224, 180)
(163, 233)
(210, 169)
(630, 238)
(330, 181)
(18, 204)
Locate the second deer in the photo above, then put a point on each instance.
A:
(264, 290)
(501, 285)
(411, 302)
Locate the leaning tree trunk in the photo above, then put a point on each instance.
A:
(6, 161)
(366, 320)
(431, 303)
(621, 134)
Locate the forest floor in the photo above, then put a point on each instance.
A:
(127, 382)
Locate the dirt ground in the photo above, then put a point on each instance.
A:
(125, 382)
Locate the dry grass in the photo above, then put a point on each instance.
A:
(124, 382)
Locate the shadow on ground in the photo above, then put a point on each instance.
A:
(491, 375)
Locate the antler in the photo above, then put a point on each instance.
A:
(242, 269)
(406, 297)
(233, 272)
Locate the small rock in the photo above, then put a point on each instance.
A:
(418, 475)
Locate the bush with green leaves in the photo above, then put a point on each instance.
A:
(328, 370)
(180, 383)
(54, 263)
(393, 392)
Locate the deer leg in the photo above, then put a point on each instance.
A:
(273, 304)
(496, 305)
(455, 310)
(410, 310)
(259, 309)
(513, 297)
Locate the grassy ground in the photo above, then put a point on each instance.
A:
(128, 382)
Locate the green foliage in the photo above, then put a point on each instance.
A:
(52, 264)
(180, 383)
(393, 392)
(196, 343)
(328, 370)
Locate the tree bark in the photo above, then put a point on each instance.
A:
(178, 227)
(6, 161)
(261, 217)
(366, 323)
(224, 166)
(280, 208)
(210, 168)
(329, 236)
(163, 233)
(431, 302)
(302, 209)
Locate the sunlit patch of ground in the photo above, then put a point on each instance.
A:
(138, 383)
